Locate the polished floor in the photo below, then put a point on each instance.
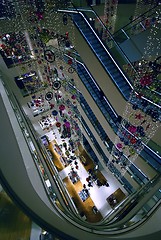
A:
(11, 219)
(98, 194)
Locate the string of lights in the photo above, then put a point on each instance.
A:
(48, 72)
(138, 125)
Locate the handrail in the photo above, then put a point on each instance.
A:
(141, 198)
(95, 228)
(68, 215)
(128, 61)
(134, 20)
(118, 67)
(30, 132)
(115, 42)
(112, 109)
(50, 165)
(109, 33)
(148, 100)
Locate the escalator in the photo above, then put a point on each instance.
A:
(103, 55)
(114, 71)
(108, 111)
(148, 154)
(99, 96)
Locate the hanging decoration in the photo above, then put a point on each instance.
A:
(142, 116)
(38, 44)
(49, 56)
(110, 13)
(54, 113)
(58, 124)
(65, 19)
(146, 22)
(56, 85)
(48, 96)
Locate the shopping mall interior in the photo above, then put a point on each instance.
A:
(80, 103)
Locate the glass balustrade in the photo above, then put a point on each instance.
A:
(50, 191)
(39, 160)
(40, 167)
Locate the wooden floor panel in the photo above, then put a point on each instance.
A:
(90, 165)
(83, 207)
(73, 189)
(56, 158)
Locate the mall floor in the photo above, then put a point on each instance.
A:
(98, 195)
(15, 225)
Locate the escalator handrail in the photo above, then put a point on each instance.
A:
(104, 47)
(148, 149)
(109, 33)
(129, 62)
(111, 36)
(119, 69)
(80, 63)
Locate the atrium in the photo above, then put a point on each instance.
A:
(80, 89)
